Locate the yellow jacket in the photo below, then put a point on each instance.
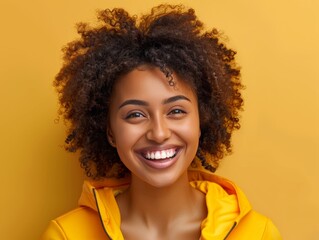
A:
(229, 213)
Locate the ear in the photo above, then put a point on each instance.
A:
(110, 137)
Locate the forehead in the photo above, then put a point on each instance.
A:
(147, 81)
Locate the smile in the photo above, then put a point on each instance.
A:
(160, 155)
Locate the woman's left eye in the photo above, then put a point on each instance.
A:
(176, 111)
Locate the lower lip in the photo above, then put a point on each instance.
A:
(162, 163)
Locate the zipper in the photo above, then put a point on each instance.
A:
(232, 228)
(98, 209)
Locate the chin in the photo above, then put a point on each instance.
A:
(163, 180)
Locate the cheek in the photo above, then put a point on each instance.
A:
(190, 131)
(127, 135)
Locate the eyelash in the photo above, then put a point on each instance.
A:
(139, 114)
(176, 111)
(134, 115)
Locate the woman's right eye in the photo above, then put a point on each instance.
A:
(134, 115)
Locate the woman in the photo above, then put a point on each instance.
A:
(152, 104)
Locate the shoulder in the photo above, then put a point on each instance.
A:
(255, 226)
(80, 223)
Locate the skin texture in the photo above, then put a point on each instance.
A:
(160, 203)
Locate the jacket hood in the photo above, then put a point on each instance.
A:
(226, 203)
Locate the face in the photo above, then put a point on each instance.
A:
(154, 126)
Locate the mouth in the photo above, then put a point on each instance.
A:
(161, 158)
(160, 154)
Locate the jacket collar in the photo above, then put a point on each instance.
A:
(226, 203)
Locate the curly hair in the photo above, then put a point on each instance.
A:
(170, 38)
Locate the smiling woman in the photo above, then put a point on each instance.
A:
(162, 125)
(152, 104)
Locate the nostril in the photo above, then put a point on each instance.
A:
(158, 131)
(158, 135)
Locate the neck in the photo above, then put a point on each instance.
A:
(160, 206)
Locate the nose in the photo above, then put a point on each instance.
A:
(159, 130)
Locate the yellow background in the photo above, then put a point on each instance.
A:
(275, 157)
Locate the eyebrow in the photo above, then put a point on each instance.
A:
(144, 103)
(175, 98)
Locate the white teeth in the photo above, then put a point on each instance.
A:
(160, 154)
(157, 155)
(163, 154)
